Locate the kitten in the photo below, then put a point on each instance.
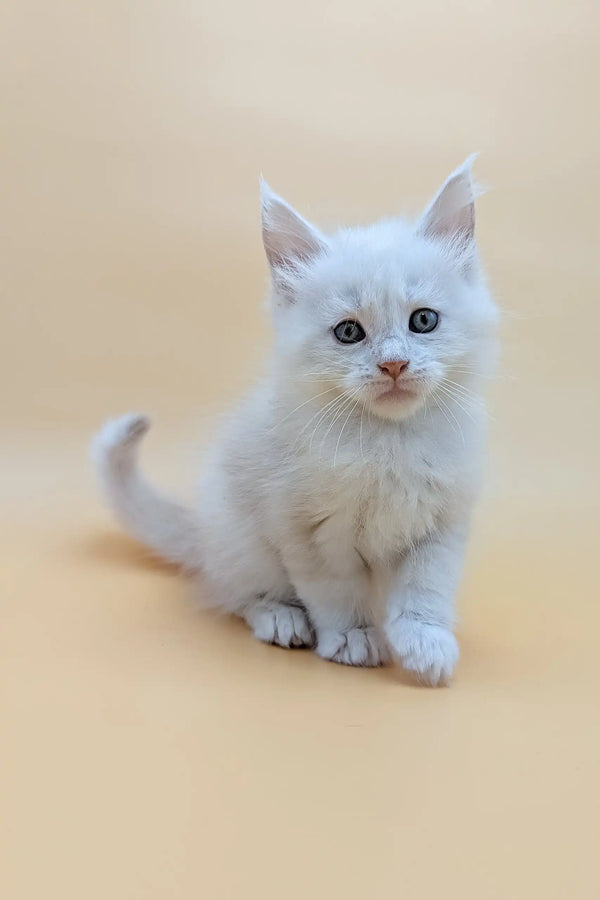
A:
(336, 501)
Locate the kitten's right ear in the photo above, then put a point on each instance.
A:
(287, 237)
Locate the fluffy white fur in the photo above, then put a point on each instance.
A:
(335, 505)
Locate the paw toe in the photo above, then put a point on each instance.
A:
(355, 647)
(286, 626)
(430, 651)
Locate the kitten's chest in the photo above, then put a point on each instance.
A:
(381, 500)
(396, 507)
(394, 493)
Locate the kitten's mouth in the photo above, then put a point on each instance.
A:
(397, 394)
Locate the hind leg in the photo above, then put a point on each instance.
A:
(267, 602)
(279, 622)
(245, 577)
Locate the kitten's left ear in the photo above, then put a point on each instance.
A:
(451, 214)
(288, 238)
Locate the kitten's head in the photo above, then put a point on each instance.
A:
(388, 313)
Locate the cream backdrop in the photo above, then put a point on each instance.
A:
(153, 751)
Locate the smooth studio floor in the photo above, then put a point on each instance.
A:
(151, 750)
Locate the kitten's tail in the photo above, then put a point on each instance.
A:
(169, 529)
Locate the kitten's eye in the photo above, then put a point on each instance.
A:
(349, 332)
(423, 320)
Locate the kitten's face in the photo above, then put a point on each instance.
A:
(390, 315)
(386, 319)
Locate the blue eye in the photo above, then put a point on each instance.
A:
(349, 332)
(423, 321)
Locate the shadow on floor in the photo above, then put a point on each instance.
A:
(122, 551)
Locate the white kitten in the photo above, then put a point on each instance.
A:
(335, 505)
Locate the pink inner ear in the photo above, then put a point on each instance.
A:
(287, 236)
(286, 242)
(452, 212)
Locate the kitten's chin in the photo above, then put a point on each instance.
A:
(396, 404)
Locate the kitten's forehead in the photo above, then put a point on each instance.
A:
(380, 270)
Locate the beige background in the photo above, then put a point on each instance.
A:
(152, 751)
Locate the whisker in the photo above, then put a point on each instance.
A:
(339, 413)
(456, 400)
(320, 412)
(462, 388)
(475, 401)
(435, 400)
(310, 399)
(362, 413)
(445, 405)
(337, 446)
(468, 397)
(330, 409)
(497, 376)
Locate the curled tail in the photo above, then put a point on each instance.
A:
(169, 529)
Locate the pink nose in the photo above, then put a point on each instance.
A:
(394, 368)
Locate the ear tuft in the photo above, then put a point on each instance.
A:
(451, 214)
(287, 237)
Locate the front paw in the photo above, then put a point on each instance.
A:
(431, 651)
(355, 647)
